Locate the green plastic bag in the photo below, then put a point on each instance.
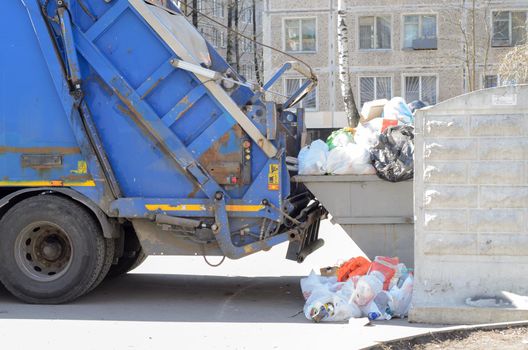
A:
(340, 138)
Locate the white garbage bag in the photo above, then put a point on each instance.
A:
(367, 288)
(314, 281)
(402, 297)
(326, 305)
(397, 109)
(367, 134)
(312, 158)
(352, 159)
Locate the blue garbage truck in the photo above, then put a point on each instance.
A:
(124, 134)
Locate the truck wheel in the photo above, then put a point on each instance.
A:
(51, 250)
(127, 263)
(109, 259)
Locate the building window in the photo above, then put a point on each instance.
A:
(374, 88)
(247, 46)
(247, 71)
(218, 8)
(490, 81)
(300, 35)
(222, 40)
(247, 15)
(421, 88)
(375, 32)
(310, 101)
(509, 28)
(493, 80)
(214, 37)
(419, 31)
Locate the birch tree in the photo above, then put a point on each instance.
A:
(343, 61)
(514, 65)
(472, 24)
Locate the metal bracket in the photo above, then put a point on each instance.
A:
(223, 235)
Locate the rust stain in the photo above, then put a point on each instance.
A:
(194, 191)
(184, 101)
(223, 165)
(40, 150)
(69, 178)
(151, 88)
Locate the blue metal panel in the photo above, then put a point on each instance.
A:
(169, 142)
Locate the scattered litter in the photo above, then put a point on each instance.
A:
(360, 289)
(329, 271)
(393, 155)
(312, 158)
(340, 138)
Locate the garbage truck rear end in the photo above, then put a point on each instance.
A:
(125, 134)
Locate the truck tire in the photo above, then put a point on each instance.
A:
(51, 250)
(126, 264)
(109, 259)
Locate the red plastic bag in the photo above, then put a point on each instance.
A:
(384, 267)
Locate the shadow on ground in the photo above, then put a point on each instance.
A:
(175, 298)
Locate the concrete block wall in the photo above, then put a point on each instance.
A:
(471, 206)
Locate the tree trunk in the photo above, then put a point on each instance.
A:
(236, 38)
(474, 42)
(230, 34)
(255, 46)
(195, 13)
(343, 59)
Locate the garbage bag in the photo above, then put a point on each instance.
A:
(367, 134)
(358, 266)
(367, 288)
(312, 158)
(393, 155)
(325, 305)
(402, 297)
(349, 160)
(340, 138)
(314, 281)
(386, 267)
(416, 105)
(397, 109)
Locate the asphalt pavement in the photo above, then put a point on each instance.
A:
(181, 302)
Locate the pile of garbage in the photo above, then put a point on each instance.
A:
(382, 144)
(380, 290)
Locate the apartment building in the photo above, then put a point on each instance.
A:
(418, 49)
(213, 23)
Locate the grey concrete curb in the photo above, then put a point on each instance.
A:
(451, 329)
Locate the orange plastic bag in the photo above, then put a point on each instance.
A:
(354, 267)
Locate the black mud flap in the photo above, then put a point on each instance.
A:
(304, 237)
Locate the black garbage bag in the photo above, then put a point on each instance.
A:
(415, 105)
(393, 154)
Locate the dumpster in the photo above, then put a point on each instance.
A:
(376, 214)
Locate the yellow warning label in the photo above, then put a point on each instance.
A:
(82, 168)
(273, 177)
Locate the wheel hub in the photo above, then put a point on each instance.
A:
(43, 251)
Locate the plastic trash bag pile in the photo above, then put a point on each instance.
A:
(382, 144)
(380, 290)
